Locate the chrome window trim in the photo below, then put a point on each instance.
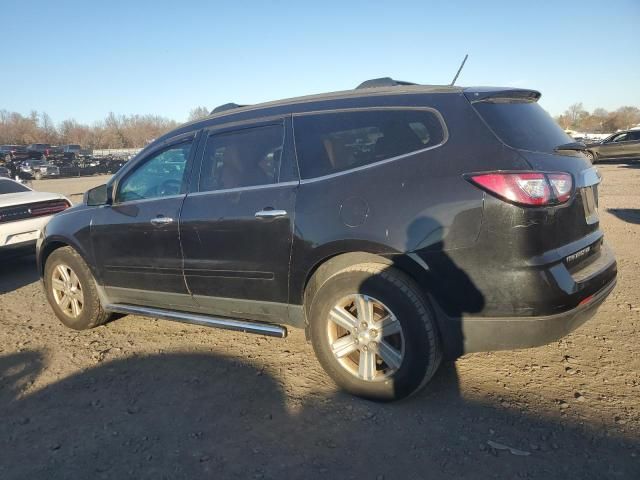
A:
(445, 137)
(241, 189)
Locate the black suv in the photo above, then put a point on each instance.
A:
(397, 224)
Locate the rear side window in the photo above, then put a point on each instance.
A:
(328, 143)
(523, 125)
(244, 158)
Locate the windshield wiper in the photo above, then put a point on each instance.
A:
(577, 146)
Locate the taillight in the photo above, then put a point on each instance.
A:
(562, 185)
(32, 210)
(526, 188)
(49, 209)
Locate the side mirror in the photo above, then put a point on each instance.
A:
(99, 195)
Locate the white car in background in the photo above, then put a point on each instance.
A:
(23, 215)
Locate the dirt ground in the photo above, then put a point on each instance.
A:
(143, 398)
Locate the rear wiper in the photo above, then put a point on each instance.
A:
(578, 146)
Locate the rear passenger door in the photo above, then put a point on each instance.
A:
(632, 149)
(236, 225)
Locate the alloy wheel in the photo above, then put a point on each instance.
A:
(365, 337)
(67, 291)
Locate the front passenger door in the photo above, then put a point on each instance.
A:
(136, 238)
(614, 147)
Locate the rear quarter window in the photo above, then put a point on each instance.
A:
(334, 142)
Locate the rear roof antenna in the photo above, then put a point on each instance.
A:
(460, 69)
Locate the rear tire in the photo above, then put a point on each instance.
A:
(374, 332)
(71, 290)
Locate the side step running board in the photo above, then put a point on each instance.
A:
(204, 320)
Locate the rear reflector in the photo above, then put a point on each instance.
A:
(586, 300)
(527, 188)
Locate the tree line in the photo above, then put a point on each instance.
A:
(600, 120)
(134, 131)
(115, 131)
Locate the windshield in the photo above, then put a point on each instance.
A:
(7, 186)
(523, 125)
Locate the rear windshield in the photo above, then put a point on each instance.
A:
(7, 186)
(523, 125)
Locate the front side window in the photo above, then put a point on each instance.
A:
(333, 142)
(161, 175)
(244, 158)
(620, 138)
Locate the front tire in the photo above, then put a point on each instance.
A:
(71, 290)
(374, 332)
(591, 156)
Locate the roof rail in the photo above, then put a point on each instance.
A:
(225, 107)
(383, 82)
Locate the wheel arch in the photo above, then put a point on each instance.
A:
(325, 268)
(55, 243)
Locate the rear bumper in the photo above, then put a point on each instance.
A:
(583, 291)
(482, 334)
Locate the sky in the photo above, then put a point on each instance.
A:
(83, 59)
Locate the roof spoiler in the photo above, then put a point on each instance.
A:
(501, 95)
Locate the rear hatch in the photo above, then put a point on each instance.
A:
(518, 121)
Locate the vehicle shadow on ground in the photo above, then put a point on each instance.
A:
(17, 272)
(195, 415)
(631, 215)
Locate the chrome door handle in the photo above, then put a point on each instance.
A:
(159, 221)
(271, 213)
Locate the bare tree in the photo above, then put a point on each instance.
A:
(198, 113)
(576, 113)
(600, 121)
(628, 117)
